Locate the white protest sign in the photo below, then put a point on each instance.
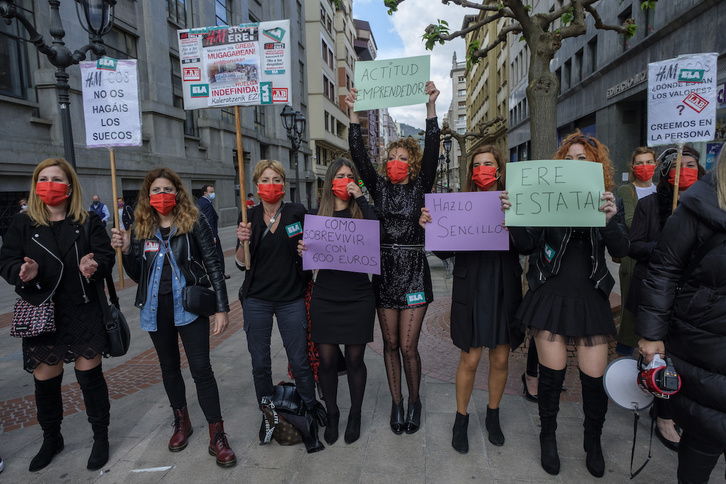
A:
(111, 103)
(240, 65)
(682, 99)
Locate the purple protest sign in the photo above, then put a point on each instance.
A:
(466, 221)
(345, 244)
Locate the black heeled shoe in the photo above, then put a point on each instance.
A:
(397, 423)
(525, 390)
(331, 430)
(670, 444)
(352, 429)
(413, 418)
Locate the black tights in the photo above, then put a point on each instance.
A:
(328, 375)
(532, 359)
(401, 329)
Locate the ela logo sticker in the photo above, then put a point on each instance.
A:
(549, 252)
(294, 229)
(106, 64)
(415, 298)
(151, 246)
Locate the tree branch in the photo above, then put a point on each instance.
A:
(461, 33)
(621, 29)
(502, 37)
(479, 6)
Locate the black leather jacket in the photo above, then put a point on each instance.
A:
(195, 254)
(536, 240)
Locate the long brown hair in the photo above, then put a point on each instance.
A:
(327, 198)
(594, 150)
(146, 218)
(38, 211)
(415, 156)
(470, 186)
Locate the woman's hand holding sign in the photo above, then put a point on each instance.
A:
(609, 207)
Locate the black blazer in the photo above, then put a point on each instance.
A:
(26, 239)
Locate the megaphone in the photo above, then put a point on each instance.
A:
(659, 377)
(621, 384)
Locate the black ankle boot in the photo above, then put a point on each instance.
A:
(595, 406)
(548, 400)
(397, 423)
(49, 405)
(491, 423)
(460, 440)
(312, 440)
(331, 430)
(352, 428)
(95, 396)
(413, 418)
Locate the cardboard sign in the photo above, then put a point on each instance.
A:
(466, 221)
(345, 244)
(111, 103)
(682, 99)
(392, 82)
(555, 193)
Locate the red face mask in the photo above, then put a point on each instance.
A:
(340, 188)
(52, 193)
(397, 170)
(484, 176)
(163, 202)
(644, 172)
(271, 192)
(688, 177)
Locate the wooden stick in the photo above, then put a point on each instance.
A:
(678, 175)
(116, 221)
(242, 191)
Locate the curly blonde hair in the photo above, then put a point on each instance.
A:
(594, 151)
(146, 218)
(38, 211)
(415, 155)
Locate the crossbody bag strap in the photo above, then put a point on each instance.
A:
(99, 282)
(714, 241)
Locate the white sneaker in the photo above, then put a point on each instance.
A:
(2, 466)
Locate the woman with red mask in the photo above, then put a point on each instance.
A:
(47, 257)
(649, 218)
(275, 286)
(403, 289)
(485, 296)
(342, 308)
(169, 250)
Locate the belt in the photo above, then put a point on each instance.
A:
(402, 247)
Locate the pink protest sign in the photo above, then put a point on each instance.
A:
(466, 221)
(345, 244)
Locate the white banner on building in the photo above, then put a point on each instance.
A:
(242, 65)
(682, 99)
(111, 103)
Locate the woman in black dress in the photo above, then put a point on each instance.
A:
(46, 256)
(342, 308)
(568, 303)
(485, 295)
(403, 290)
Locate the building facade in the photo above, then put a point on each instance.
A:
(457, 121)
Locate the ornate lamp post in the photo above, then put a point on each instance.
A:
(447, 149)
(441, 173)
(97, 20)
(294, 123)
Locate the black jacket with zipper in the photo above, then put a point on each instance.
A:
(536, 240)
(27, 239)
(195, 254)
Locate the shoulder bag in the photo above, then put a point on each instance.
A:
(30, 320)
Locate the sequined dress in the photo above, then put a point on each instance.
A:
(405, 279)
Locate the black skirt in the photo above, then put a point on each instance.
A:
(404, 272)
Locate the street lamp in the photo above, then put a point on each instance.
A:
(99, 17)
(447, 149)
(294, 122)
(441, 173)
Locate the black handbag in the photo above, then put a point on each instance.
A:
(286, 398)
(117, 329)
(199, 300)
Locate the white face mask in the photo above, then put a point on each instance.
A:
(211, 196)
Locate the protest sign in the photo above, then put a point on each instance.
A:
(392, 82)
(682, 99)
(111, 103)
(466, 221)
(240, 65)
(345, 244)
(555, 193)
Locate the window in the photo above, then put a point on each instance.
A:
(329, 24)
(327, 121)
(177, 93)
(649, 21)
(592, 54)
(627, 13)
(462, 104)
(462, 92)
(578, 66)
(17, 57)
(120, 44)
(223, 11)
(324, 50)
(177, 11)
(566, 72)
(260, 119)
(558, 74)
(301, 68)
(462, 79)
(322, 15)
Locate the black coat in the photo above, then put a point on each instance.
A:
(205, 205)
(26, 239)
(692, 322)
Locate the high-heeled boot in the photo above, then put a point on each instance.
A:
(331, 430)
(491, 423)
(595, 406)
(182, 430)
(98, 408)
(397, 423)
(460, 439)
(413, 417)
(49, 407)
(548, 400)
(312, 439)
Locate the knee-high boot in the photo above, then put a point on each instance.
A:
(95, 396)
(548, 400)
(49, 405)
(595, 406)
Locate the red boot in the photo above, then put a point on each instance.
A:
(219, 447)
(182, 430)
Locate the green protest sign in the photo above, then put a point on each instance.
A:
(555, 193)
(392, 82)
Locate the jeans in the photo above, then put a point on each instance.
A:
(696, 459)
(292, 322)
(195, 338)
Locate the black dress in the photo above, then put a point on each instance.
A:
(342, 306)
(404, 271)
